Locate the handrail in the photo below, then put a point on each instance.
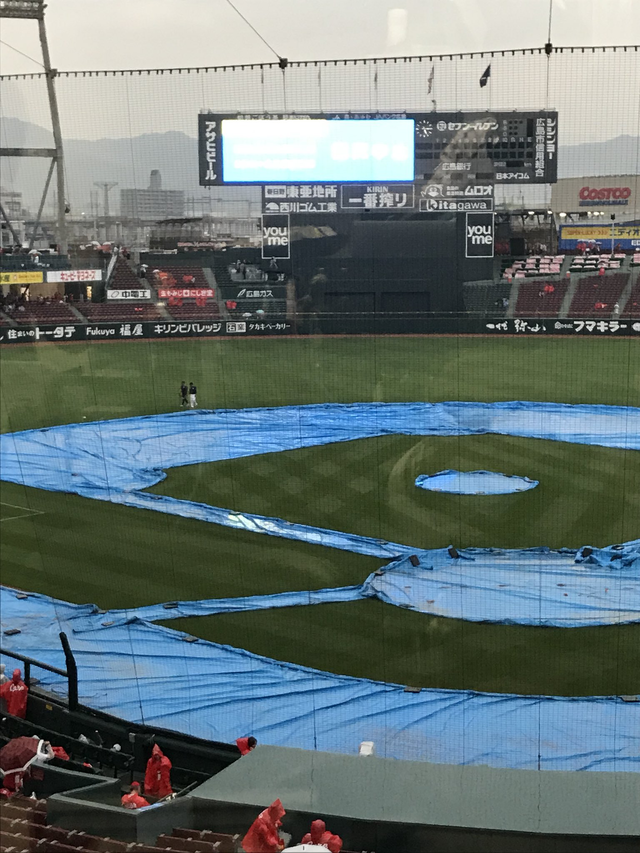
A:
(70, 673)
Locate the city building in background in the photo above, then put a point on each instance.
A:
(599, 196)
(153, 203)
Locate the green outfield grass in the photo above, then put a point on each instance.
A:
(82, 550)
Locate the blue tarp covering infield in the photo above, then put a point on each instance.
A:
(143, 672)
(116, 460)
(146, 673)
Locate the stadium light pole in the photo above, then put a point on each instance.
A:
(34, 10)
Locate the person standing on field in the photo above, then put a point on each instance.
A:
(183, 394)
(192, 395)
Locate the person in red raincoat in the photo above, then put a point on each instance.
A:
(246, 744)
(133, 800)
(157, 779)
(320, 835)
(15, 693)
(263, 833)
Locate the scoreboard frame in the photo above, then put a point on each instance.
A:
(463, 148)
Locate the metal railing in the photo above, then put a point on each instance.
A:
(70, 673)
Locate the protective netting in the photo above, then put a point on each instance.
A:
(216, 691)
(536, 586)
(118, 126)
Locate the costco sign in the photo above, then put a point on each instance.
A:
(597, 196)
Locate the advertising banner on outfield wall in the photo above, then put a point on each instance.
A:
(74, 275)
(127, 331)
(124, 295)
(605, 237)
(186, 293)
(21, 278)
(319, 324)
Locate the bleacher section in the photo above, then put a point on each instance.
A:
(594, 263)
(536, 265)
(535, 301)
(42, 313)
(632, 308)
(597, 295)
(184, 277)
(26, 263)
(24, 829)
(124, 277)
(104, 312)
(190, 311)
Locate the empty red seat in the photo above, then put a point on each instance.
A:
(597, 290)
(187, 845)
(533, 301)
(146, 848)
(227, 843)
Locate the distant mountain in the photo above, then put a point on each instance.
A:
(618, 156)
(129, 162)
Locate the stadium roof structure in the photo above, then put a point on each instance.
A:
(22, 9)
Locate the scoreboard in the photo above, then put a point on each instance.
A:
(458, 148)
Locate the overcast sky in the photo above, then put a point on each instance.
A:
(111, 34)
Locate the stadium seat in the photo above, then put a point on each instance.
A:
(21, 812)
(632, 308)
(145, 848)
(597, 290)
(123, 276)
(228, 843)
(182, 273)
(104, 312)
(187, 845)
(534, 302)
(191, 311)
(44, 313)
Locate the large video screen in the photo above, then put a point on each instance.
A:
(340, 149)
(259, 152)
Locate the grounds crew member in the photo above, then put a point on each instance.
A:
(157, 779)
(133, 800)
(263, 836)
(15, 693)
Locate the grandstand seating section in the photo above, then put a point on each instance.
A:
(124, 277)
(182, 273)
(632, 308)
(52, 312)
(536, 265)
(592, 263)
(24, 828)
(20, 263)
(534, 302)
(596, 289)
(191, 311)
(105, 312)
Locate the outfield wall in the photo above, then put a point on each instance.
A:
(321, 324)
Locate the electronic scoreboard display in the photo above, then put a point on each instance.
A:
(371, 148)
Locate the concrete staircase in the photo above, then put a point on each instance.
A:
(568, 297)
(513, 296)
(626, 293)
